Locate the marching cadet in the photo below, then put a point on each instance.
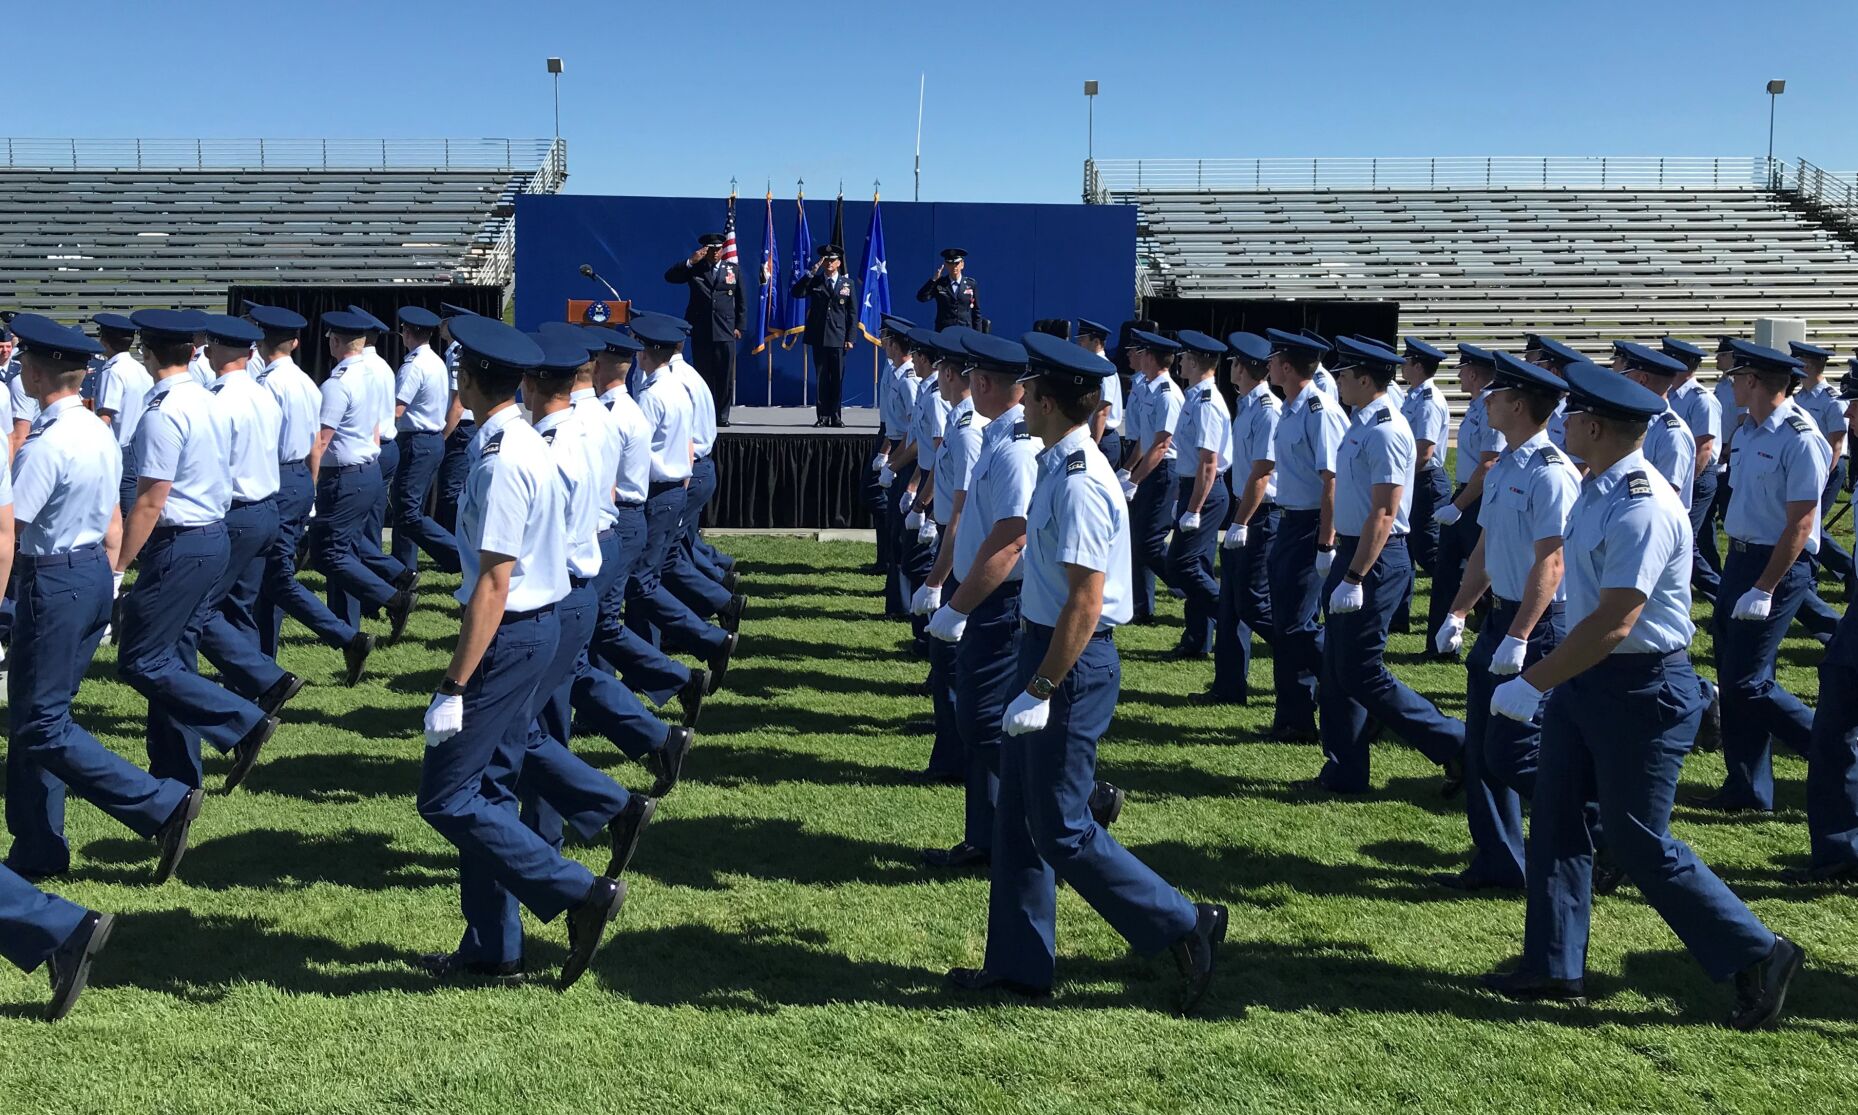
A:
(515, 572)
(1324, 352)
(831, 315)
(1779, 468)
(1669, 445)
(380, 383)
(177, 528)
(1820, 401)
(460, 428)
(1703, 415)
(716, 310)
(122, 385)
(895, 460)
(926, 429)
(1309, 435)
(1423, 407)
(1624, 708)
(1201, 440)
(1148, 480)
(1077, 572)
(422, 394)
(690, 574)
(299, 405)
(1244, 581)
(1547, 352)
(1519, 559)
(1478, 447)
(1732, 415)
(956, 298)
(1108, 425)
(1370, 574)
(63, 501)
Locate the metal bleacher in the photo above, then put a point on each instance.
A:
(1482, 250)
(89, 224)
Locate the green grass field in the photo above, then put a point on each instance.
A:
(782, 950)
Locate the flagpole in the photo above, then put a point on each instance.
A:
(877, 346)
(922, 86)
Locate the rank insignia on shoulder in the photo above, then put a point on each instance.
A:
(1638, 486)
(492, 447)
(154, 401)
(1076, 463)
(1020, 433)
(965, 420)
(1383, 418)
(1552, 455)
(1316, 403)
(1671, 421)
(1799, 424)
(548, 436)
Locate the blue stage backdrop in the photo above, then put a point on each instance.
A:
(1031, 261)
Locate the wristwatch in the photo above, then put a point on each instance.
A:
(1352, 577)
(450, 688)
(1041, 687)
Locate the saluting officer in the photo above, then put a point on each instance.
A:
(1370, 575)
(1519, 559)
(956, 298)
(1093, 338)
(1148, 479)
(1423, 407)
(122, 385)
(1244, 579)
(422, 394)
(1201, 439)
(1478, 447)
(1624, 709)
(1669, 445)
(1703, 414)
(1076, 592)
(831, 314)
(716, 311)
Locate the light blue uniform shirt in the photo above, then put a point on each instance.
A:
(299, 406)
(122, 387)
(1254, 439)
(1113, 395)
(930, 420)
(253, 421)
(1326, 384)
(1135, 409)
(1528, 494)
(25, 407)
(451, 372)
(1702, 413)
(513, 505)
(1672, 450)
(607, 443)
(1783, 460)
(423, 386)
(1627, 530)
(1475, 438)
(1163, 408)
(1203, 422)
(666, 406)
(1309, 433)
(65, 480)
(1000, 487)
(1821, 404)
(702, 406)
(1426, 415)
(577, 459)
(1077, 517)
(381, 390)
(350, 409)
(1732, 416)
(200, 369)
(6, 397)
(185, 439)
(899, 402)
(954, 461)
(635, 440)
(1378, 449)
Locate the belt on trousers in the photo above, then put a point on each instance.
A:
(659, 487)
(298, 462)
(629, 504)
(1516, 605)
(340, 470)
(609, 532)
(81, 554)
(242, 504)
(167, 532)
(1032, 628)
(522, 617)
(577, 581)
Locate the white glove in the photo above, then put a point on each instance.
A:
(1447, 515)
(885, 477)
(1346, 598)
(906, 501)
(1517, 700)
(947, 624)
(1450, 639)
(926, 599)
(879, 461)
(913, 520)
(116, 585)
(1025, 714)
(1125, 478)
(1189, 522)
(1324, 559)
(1235, 537)
(927, 532)
(1754, 604)
(1509, 657)
(1128, 490)
(2, 656)
(444, 718)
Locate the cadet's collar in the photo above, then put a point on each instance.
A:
(1309, 390)
(1606, 480)
(500, 421)
(346, 361)
(1365, 414)
(1262, 389)
(1780, 415)
(274, 365)
(613, 393)
(908, 367)
(1012, 414)
(47, 414)
(1535, 443)
(417, 350)
(580, 394)
(552, 419)
(166, 383)
(1077, 439)
(234, 373)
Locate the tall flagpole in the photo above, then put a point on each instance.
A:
(922, 85)
(877, 348)
(772, 265)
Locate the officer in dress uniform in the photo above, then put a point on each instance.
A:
(1820, 400)
(63, 486)
(1519, 559)
(1244, 581)
(1094, 338)
(299, 406)
(1370, 575)
(122, 384)
(1624, 708)
(1670, 447)
(1780, 462)
(1478, 447)
(716, 311)
(831, 315)
(177, 528)
(1077, 588)
(515, 573)
(1423, 407)
(422, 395)
(895, 460)
(1201, 439)
(956, 297)
(460, 428)
(1703, 414)
(1147, 478)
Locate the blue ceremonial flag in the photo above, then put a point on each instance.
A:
(802, 263)
(876, 279)
(772, 317)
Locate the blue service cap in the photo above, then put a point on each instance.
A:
(562, 353)
(1195, 341)
(419, 317)
(677, 323)
(1683, 350)
(1644, 358)
(1328, 345)
(1514, 371)
(613, 340)
(1353, 353)
(1285, 341)
(449, 310)
(1802, 349)
(576, 333)
(39, 334)
(1417, 349)
(1249, 348)
(898, 325)
(275, 319)
(1749, 356)
(995, 353)
(1596, 390)
(1153, 342)
(347, 322)
(1848, 384)
(1056, 358)
(657, 330)
(232, 332)
(1094, 328)
(1471, 354)
(1725, 344)
(921, 338)
(115, 323)
(374, 323)
(1558, 352)
(946, 344)
(486, 344)
(173, 325)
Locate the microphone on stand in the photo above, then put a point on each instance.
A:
(587, 269)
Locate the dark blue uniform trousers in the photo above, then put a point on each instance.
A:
(683, 573)
(651, 609)
(710, 561)
(467, 793)
(1296, 591)
(1833, 556)
(918, 558)
(1706, 543)
(986, 678)
(1043, 830)
(644, 668)
(64, 604)
(181, 568)
(414, 530)
(229, 639)
(1705, 565)
(389, 462)
(1832, 765)
(1500, 754)
(1150, 519)
(1455, 545)
(946, 756)
(345, 499)
(1244, 606)
(1190, 561)
(1755, 709)
(1617, 735)
(454, 469)
(281, 593)
(132, 475)
(32, 923)
(1431, 490)
(897, 586)
(1358, 691)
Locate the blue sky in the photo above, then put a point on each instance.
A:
(676, 97)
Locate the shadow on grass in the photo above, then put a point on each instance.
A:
(274, 859)
(702, 852)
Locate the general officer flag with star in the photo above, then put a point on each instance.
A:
(876, 279)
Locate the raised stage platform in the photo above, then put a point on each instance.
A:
(775, 471)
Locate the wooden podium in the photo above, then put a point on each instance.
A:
(598, 311)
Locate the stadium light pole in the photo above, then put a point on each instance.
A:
(1090, 120)
(554, 67)
(1775, 89)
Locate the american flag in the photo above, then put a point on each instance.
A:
(729, 252)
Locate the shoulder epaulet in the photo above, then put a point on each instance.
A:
(1671, 421)
(1552, 455)
(966, 418)
(338, 371)
(1316, 403)
(154, 401)
(1383, 418)
(1799, 424)
(492, 447)
(1076, 463)
(1638, 485)
(1020, 433)
(548, 435)
(215, 389)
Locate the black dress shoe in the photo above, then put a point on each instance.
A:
(722, 423)
(961, 857)
(819, 423)
(1283, 734)
(407, 581)
(692, 694)
(1761, 988)
(625, 831)
(731, 613)
(279, 695)
(731, 579)
(1526, 988)
(1832, 874)
(1721, 803)
(1607, 875)
(667, 762)
(1196, 954)
(935, 778)
(1467, 882)
(1215, 697)
(1106, 803)
(1182, 653)
(1453, 781)
(171, 837)
(355, 657)
(69, 967)
(245, 752)
(980, 979)
(399, 610)
(1710, 728)
(451, 967)
(587, 925)
(719, 661)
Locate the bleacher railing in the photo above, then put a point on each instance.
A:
(275, 154)
(1106, 177)
(494, 264)
(1834, 194)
